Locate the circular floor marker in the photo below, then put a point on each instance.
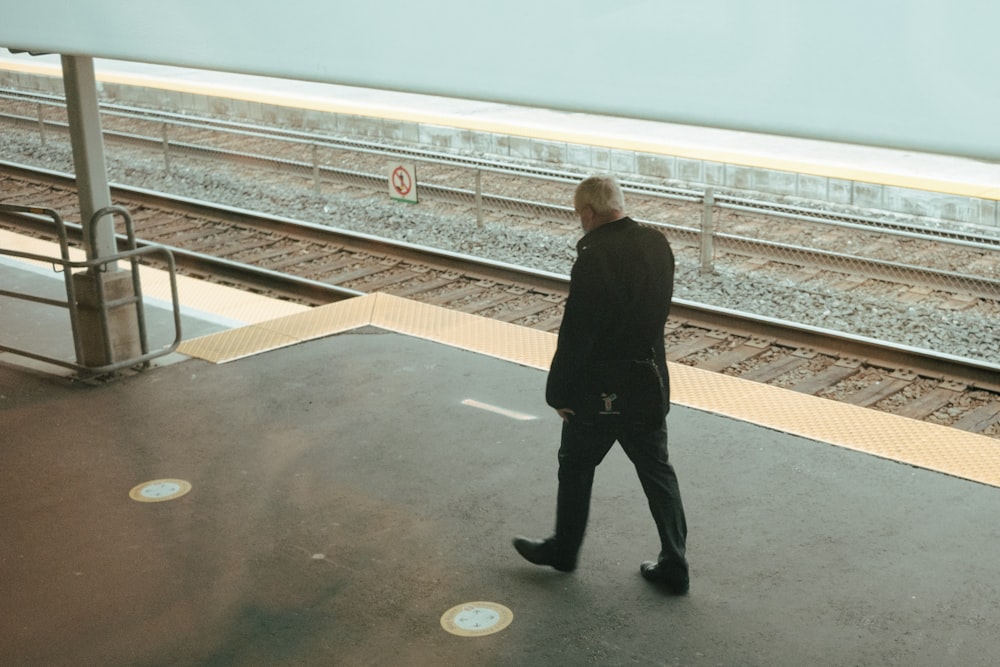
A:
(159, 490)
(474, 619)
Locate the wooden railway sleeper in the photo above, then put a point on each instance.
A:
(418, 288)
(460, 292)
(694, 345)
(291, 259)
(776, 368)
(335, 261)
(533, 308)
(278, 251)
(550, 324)
(739, 354)
(233, 250)
(979, 419)
(884, 388)
(931, 402)
(360, 272)
(830, 376)
(492, 301)
(390, 278)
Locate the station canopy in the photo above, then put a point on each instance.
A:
(911, 74)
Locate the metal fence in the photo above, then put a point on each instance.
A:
(715, 233)
(100, 348)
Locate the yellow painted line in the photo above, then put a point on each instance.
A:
(942, 174)
(510, 342)
(520, 416)
(281, 332)
(959, 453)
(236, 344)
(21, 243)
(33, 67)
(234, 304)
(934, 447)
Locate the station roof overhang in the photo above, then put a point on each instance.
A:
(916, 76)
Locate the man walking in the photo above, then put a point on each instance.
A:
(619, 299)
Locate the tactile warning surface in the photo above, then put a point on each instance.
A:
(918, 443)
(901, 439)
(276, 324)
(469, 332)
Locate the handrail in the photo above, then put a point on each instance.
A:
(96, 265)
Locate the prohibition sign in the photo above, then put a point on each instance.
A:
(402, 182)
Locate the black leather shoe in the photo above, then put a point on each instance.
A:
(542, 552)
(673, 583)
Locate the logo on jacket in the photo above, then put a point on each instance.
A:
(609, 404)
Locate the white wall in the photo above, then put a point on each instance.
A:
(913, 74)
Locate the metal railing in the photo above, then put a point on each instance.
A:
(103, 305)
(947, 272)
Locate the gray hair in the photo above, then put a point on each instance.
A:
(601, 193)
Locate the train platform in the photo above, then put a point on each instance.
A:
(954, 189)
(340, 485)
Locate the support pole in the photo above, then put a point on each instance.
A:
(479, 197)
(316, 181)
(88, 153)
(41, 123)
(106, 333)
(708, 234)
(166, 149)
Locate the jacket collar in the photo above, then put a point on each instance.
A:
(595, 235)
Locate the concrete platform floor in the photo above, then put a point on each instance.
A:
(343, 498)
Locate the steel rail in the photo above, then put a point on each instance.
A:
(723, 199)
(896, 272)
(985, 288)
(929, 363)
(981, 287)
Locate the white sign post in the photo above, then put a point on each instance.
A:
(403, 182)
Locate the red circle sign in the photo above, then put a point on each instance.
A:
(402, 182)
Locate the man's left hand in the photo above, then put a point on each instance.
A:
(564, 413)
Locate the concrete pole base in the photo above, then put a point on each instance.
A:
(123, 321)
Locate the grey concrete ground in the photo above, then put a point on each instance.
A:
(344, 498)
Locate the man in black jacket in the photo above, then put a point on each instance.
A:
(619, 298)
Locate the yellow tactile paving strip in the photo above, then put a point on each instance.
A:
(909, 441)
(216, 299)
(273, 324)
(193, 293)
(280, 332)
(469, 332)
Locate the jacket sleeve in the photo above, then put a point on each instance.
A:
(580, 328)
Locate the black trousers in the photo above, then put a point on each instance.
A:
(582, 449)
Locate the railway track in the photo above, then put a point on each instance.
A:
(316, 264)
(933, 266)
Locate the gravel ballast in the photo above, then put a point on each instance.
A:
(971, 332)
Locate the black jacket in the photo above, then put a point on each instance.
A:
(619, 299)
